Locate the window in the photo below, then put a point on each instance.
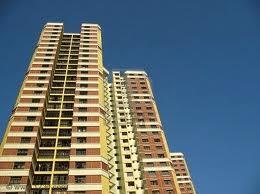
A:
(164, 173)
(18, 165)
(80, 164)
(145, 140)
(155, 192)
(28, 128)
(82, 101)
(160, 155)
(157, 140)
(82, 129)
(82, 118)
(150, 164)
(15, 180)
(22, 152)
(83, 92)
(148, 155)
(127, 157)
(81, 140)
(40, 85)
(33, 109)
(154, 182)
(82, 109)
(80, 179)
(169, 191)
(131, 183)
(146, 147)
(81, 152)
(41, 78)
(129, 174)
(126, 148)
(37, 92)
(36, 100)
(25, 139)
(128, 165)
(31, 118)
(151, 173)
(167, 182)
(83, 86)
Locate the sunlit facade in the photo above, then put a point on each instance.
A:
(76, 129)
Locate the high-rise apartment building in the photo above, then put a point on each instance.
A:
(182, 173)
(72, 130)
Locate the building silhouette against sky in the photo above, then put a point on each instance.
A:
(73, 130)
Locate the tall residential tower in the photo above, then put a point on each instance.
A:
(72, 130)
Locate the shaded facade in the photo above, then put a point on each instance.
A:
(72, 130)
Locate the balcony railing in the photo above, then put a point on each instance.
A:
(49, 133)
(60, 182)
(62, 133)
(62, 167)
(41, 182)
(63, 154)
(64, 144)
(47, 144)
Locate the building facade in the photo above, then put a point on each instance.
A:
(182, 173)
(74, 130)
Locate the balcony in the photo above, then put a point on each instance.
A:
(54, 106)
(52, 114)
(55, 98)
(62, 61)
(68, 106)
(41, 180)
(67, 114)
(49, 132)
(71, 78)
(69, 91)
(59, 77)
(72, 72)
(68, 98)
(42, 166)
(72, 67)
(51, 123)
(70, 84)
(64, 133)
(63, 154)
(64, 143)
(57, 84)
(43, 154)
(47, 143)
(61, 166)
(65, 123)
(60, 179)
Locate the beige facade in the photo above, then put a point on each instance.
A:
(74, 131)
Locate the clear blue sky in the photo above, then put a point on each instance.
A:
(206, 52)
